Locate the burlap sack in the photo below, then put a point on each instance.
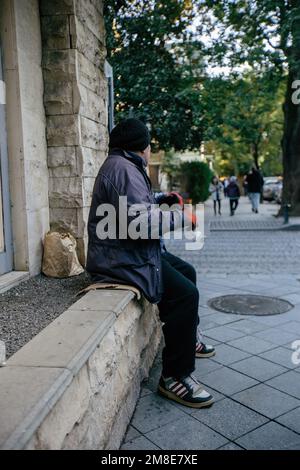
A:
(60, 257)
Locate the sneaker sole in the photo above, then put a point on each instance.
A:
(201, 355)
(171, 396)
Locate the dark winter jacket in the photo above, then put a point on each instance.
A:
(126, 261)
(254, 182)
(233, 191)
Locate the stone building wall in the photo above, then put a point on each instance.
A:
(75, 100)
(25, 122)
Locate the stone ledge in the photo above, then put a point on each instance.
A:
(26, 401)
(75, 385)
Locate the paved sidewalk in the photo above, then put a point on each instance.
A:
(254, 381)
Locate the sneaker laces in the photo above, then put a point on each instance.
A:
(193, 383)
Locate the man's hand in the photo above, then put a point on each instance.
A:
(172, 198)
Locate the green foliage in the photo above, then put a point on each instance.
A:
(253, 32)
(196, 177)
(160, 74)
(154, 81)
(265, 35)
(171, 167)
(251, 123)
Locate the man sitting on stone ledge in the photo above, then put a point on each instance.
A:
(143, 261)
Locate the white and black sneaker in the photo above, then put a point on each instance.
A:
(186, 391)
(203, 350)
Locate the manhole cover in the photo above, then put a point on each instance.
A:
(250, 305)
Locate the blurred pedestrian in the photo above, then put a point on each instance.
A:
(225, 183)
(216, 191)
(255, 184)
(245, 185)
(233, 193)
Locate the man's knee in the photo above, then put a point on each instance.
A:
(192, 294)
(187, 294)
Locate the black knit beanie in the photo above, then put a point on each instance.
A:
(130, 134)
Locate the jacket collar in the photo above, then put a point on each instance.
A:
(138, 161)
(135, 158)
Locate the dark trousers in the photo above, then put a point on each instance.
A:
(233, 205)
(215, 205)
(178, 311)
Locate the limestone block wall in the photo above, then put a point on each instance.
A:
(75, 100)
(75, 385)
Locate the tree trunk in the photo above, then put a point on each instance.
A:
(255, 154)
(291, 135)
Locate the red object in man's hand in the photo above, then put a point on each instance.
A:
(193, 220)
(178, 199)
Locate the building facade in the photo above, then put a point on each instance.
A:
(53, 123)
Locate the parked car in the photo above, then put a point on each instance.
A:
(272, 188)
(278, 192)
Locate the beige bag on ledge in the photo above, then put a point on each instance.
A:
(60, 257)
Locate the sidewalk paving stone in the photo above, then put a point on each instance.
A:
(230, 419)
(267, 400)
(228, 381)
(186, 433)
(271, 436)
(208, 340)
(258, 368)
(153, 411)
(252, 344)
(223, 318)
(207, 324)
(260, 288)
(292, 298)
(205, 366)
(274, 320)
(279, 291)
(281, 356)
(288, 382)
(131, 434)
(227, 355)
(231, 446)
(141, 443)
(145, 391)
(247, 326)
(293, 315)
(277, 336)
(223, 333)
(291, 420)
(292, 326)
(153, 379)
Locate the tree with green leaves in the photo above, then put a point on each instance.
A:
(265, 35)
(196, 177)
(149, 50)
(252, 122)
